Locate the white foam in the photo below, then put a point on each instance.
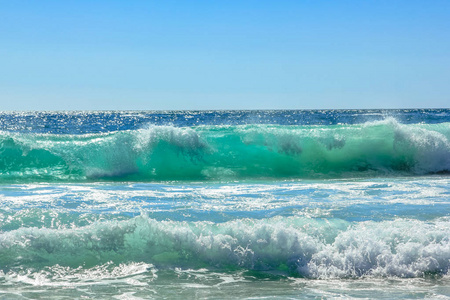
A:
(312, 247)
(66, 276)
(402, 248)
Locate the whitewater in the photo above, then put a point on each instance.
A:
(309, 204)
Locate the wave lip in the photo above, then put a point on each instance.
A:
(160, 153)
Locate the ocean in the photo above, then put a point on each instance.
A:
(285, 204)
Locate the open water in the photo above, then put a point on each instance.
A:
(333, 204)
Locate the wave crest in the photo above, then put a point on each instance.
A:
(297, 246)
(231, 152)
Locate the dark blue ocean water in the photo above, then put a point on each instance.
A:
(225, 204)
(81, 122)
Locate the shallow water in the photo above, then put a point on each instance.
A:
(320, 222)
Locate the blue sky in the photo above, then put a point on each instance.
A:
(76, 55)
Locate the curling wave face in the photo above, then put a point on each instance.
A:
(222, 152)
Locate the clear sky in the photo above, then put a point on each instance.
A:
(278, 54)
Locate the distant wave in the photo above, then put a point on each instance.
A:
(159, 153)
(296, 246)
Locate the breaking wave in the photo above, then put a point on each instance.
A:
(159, 153)
(295, 246)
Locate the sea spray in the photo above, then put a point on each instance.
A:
(158, 153)
(300, 246)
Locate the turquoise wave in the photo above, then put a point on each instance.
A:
(296, 246)
(160, 153)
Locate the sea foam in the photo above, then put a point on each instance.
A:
(298, 246)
